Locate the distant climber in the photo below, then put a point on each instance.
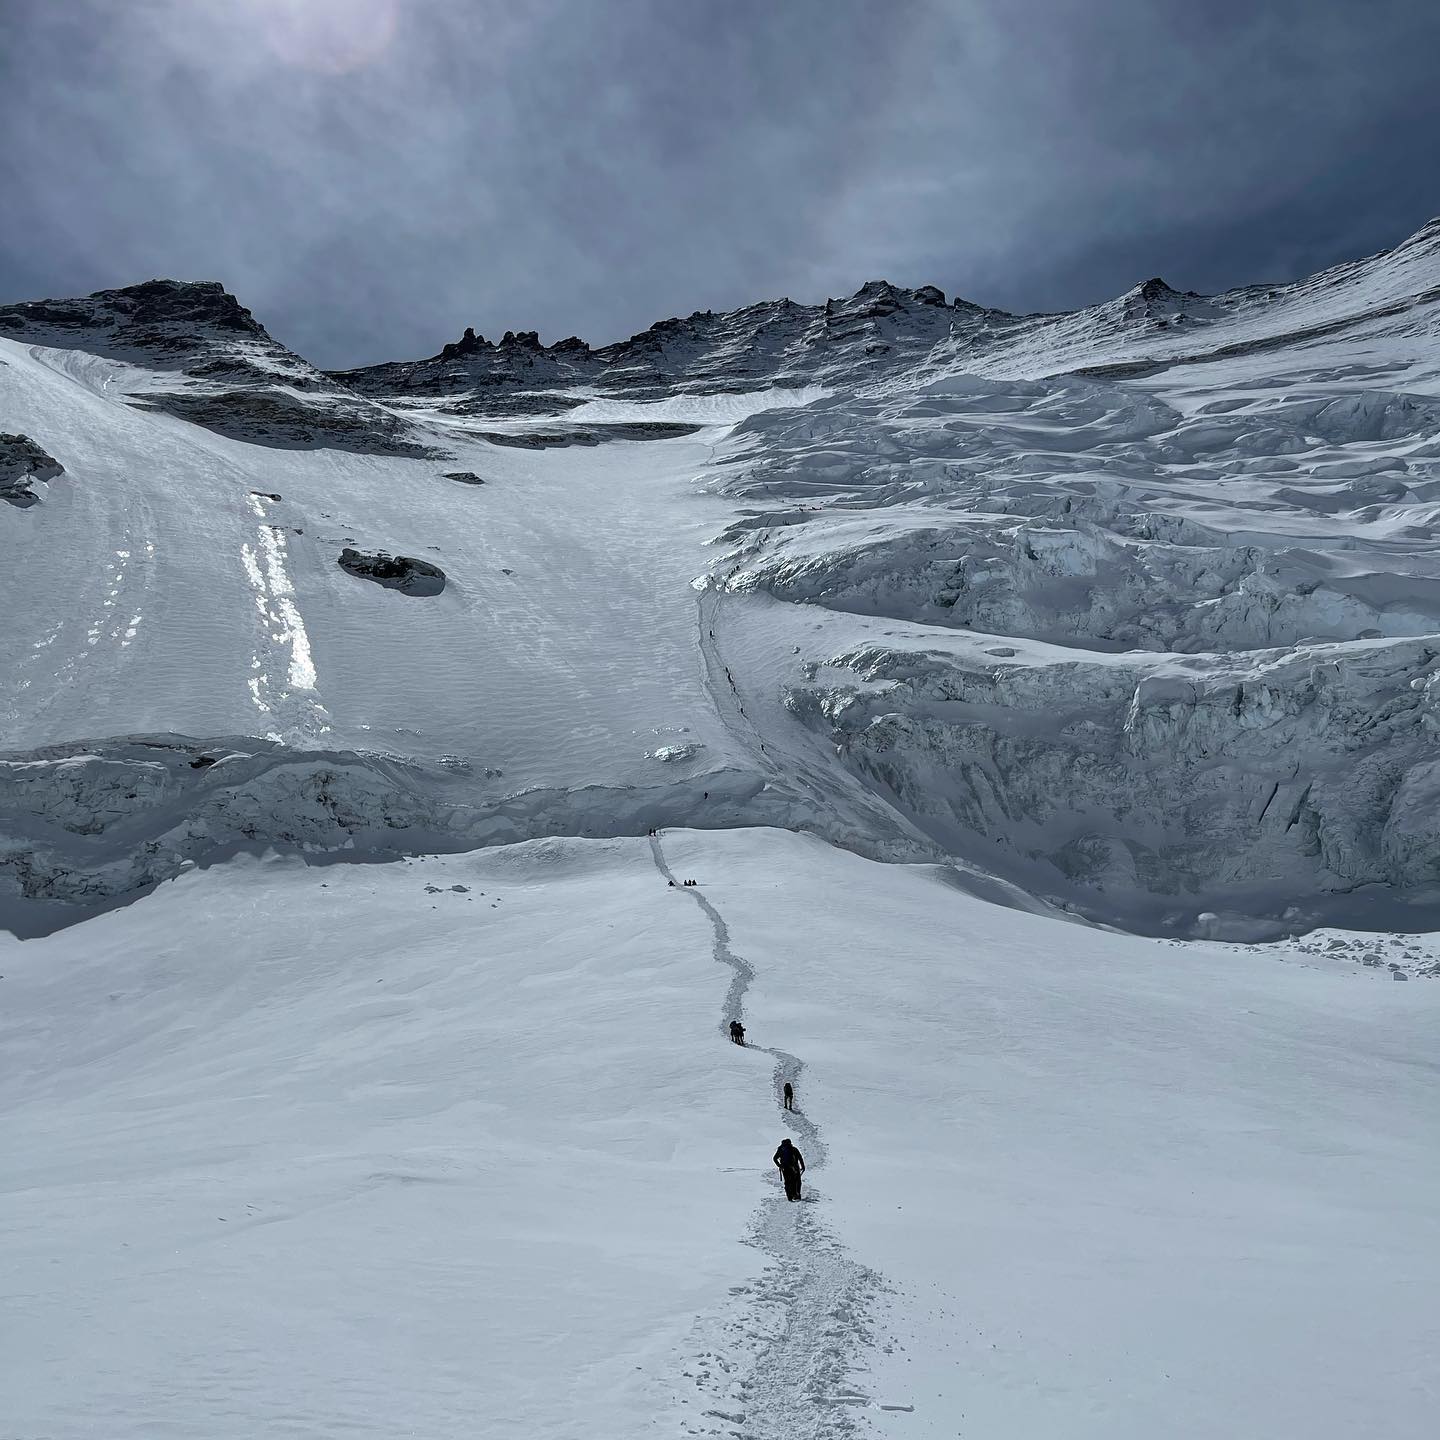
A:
(737, 1032)
(789, 1094)
(791, 1165)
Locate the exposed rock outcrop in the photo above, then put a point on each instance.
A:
(552, 439)
(178, 316)
(264, 414)
(22, 462)
(777, 342)
(395, 572)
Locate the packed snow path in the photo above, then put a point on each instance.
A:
(810, 1308)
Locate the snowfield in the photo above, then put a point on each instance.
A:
(345, 1149)
(1001, 680)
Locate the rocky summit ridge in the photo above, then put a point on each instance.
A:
(773, 342)
(228, 363)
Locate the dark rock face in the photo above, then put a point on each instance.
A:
(175, 315)
(1155, 300)
(876, 299)
(1156, 292)
(539, 439)
(777, 342)
(269, 415)
(593, 435)
(516, 403)
(395, 572)
(465, 477)
(21, 462)
(648, 430)
(194, 305)
(468, 344)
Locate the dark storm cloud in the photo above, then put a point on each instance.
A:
(371, 175)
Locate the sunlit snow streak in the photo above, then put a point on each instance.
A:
(302, 664)
(266, 570)
(252, 569)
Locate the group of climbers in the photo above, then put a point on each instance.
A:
(788, 1160)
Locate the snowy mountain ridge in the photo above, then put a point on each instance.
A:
(880, 328)
(775, 342)
(1128, 611)
(884, 328)
(190, 349)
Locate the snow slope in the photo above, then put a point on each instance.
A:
(1123, 620)
(344, 1150)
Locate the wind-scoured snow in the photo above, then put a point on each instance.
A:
(368, 1074)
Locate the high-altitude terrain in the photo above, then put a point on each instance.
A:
(1047, 708)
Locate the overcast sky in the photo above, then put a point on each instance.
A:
(370, 176)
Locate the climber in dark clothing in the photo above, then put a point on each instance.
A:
(789, 1096)
(791, 1165)
(737, 1032)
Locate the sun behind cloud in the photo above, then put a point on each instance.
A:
(330, 37)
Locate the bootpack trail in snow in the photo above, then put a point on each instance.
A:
(811, 1308)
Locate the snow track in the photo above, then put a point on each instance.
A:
(809, 1312)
